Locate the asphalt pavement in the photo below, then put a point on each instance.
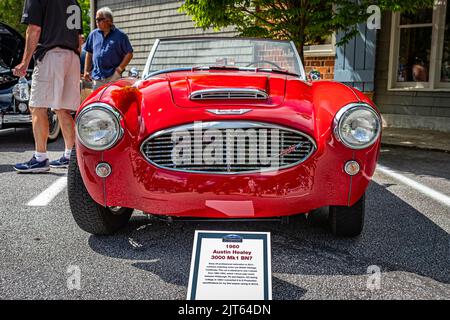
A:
(406, 236)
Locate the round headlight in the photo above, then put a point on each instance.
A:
(22, 107)
(98, 126)
(357, 126)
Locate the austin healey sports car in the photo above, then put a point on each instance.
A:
(223, 128)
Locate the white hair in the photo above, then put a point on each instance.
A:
(106, 12)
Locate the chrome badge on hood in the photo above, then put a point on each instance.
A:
(228, 111)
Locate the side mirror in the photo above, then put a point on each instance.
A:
(314, 75)
(133, 73)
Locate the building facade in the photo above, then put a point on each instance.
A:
(412, 78)
(404, 66)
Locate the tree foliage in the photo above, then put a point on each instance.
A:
(302, 21)
(85, 11)
(11, 14)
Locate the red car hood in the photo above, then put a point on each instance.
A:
(182, 86)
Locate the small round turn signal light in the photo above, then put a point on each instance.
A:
(351, 167)
(103, 169)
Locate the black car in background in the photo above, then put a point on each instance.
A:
(14, 113)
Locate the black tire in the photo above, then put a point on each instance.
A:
(54, 129)
(348, 221)
(88, 214)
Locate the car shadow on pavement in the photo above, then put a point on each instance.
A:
(417, 162)
(21, 140)
(6, 168)
(396, 237)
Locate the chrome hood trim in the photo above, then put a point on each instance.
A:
(224, 112)
(229, 94)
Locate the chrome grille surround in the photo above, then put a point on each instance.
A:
(157, 148)
(229, 94)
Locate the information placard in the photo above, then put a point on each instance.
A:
(228, 265)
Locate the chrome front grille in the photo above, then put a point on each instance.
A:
(228, 94)
(238, 147)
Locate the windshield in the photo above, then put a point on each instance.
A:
(224, 52)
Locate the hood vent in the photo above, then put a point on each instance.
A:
(229, 94)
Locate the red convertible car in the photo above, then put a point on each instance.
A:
(226, 128)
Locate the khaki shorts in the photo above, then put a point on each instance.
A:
(56, 81)
(98, 83)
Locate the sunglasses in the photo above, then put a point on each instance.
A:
(100, 19)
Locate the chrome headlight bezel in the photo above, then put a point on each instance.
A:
(337, 124)
(115, 116)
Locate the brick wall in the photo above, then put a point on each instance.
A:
(323, 64)
(281, 56)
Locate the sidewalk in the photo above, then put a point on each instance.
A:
(422, 139)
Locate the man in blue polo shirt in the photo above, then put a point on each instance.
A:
(108, 51)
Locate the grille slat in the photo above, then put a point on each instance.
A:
(294, 147)
(162, 143)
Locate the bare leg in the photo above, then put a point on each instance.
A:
(67, 126)
(39, 119)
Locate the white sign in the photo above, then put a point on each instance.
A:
(229, 265)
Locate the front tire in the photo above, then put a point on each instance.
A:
(88, 214)
(348, 221)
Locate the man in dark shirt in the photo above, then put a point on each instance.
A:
(108, 51)
(54, 28)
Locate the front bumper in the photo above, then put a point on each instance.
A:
(14, 120)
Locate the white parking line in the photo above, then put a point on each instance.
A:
(46, 196)
(436, 195)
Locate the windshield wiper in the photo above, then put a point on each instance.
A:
(155, 73)
(215, 68)
(280, 71)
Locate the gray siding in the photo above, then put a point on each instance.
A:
(355, 61)
(147, 20)
(401, 104)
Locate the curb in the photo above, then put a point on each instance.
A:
(387, 144)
